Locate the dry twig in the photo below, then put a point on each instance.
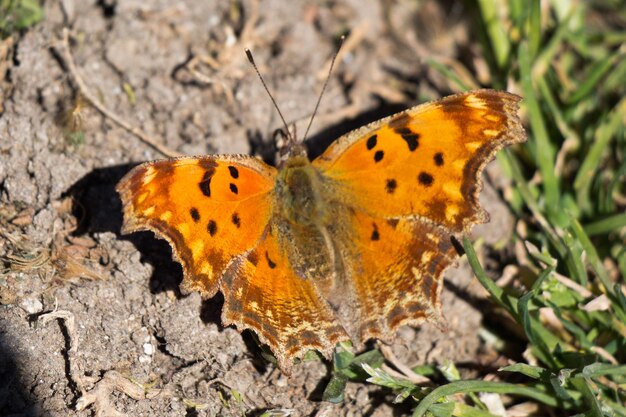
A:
(224, 65)
(70, 324)
(406, 371)
(114, 381)
(144, 137)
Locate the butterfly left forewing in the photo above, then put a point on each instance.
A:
(426, 161)
(211, 209)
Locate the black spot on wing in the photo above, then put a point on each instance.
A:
(212, 227)
(234, 188)
(378, 156)
(234, 172)
(375, 235)
(409, 137)
(391, 186)
(438, 158)
(425, 179)
(236, 220)
(371, 142)
(270, 263)
(205, 184)
(195, 215)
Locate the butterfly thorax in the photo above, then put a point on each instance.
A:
(302, 219)
(298, 193)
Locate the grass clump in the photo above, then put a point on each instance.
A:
(16, 15)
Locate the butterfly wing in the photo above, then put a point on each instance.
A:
(211, 209)
(411, 181)
(262, 291)
(426, 161)
(396, 273)
(216, 212)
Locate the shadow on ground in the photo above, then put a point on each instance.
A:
(15, 398)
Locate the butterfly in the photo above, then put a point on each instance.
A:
(349, 246)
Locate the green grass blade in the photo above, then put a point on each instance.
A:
(605, 133)
(574, 259)
(449, 74)
(496, 31)
(607, 225)
(592, 255)
(495, 291)
(596, 264)
(543, 148)
(464, 387)
(465, 410)
(555, 111)
(534, 372)
(601, 369)
(596, 73)
(534, 28)
(531, 325)
(547, 339)
(527, 194)
(583, 385)
(546, 56)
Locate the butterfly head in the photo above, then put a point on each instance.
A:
(292, 152)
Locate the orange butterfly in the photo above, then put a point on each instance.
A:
(349, 246)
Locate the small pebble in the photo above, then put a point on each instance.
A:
(148, 349)
(31, 305)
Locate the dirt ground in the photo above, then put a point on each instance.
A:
(93, 320)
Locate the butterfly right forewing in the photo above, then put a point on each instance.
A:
(211, 209)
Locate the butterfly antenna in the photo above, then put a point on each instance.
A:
(251, 59)
(319, 99)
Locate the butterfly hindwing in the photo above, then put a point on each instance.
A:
(394, 269)
(263, 292)
(211, 209)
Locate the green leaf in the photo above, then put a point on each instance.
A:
(18, 15)
(444, 409)
(583, 385)
(599, 369)
(482, 386)
(556, 382)
(382, 378)
(334, 391)
(449, 371)
(342, 357)
(535, 372)
(373, 358)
